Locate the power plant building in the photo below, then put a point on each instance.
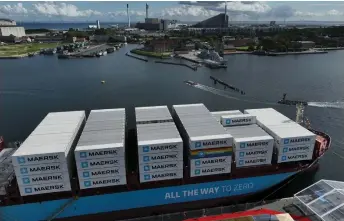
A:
(218, 21)
(8, 28)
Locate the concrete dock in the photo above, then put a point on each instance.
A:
(191, 56)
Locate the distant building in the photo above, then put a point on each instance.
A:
(162, 45)
(98, 24)
(92, 26)
(218, 21)
(306, 44)
(272, 23)
(9, 32)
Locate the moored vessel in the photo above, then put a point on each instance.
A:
(192, 158)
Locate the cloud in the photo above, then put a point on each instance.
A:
(282, 11)
(332, 13)
(62, 9)
(16, 9)
(123, 13)
(187, 12)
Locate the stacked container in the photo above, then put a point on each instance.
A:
(253, 146)
(219, 114)
(160, 147)
(292, 141)
(44, 162)
(209, 145)
(100, 153)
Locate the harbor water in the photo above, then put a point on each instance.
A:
(32, 87)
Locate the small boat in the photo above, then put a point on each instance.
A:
(99, 54)
(103, 82)
(191, 83)
(291, 102)
(104, 53)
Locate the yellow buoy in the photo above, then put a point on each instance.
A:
(103, 82)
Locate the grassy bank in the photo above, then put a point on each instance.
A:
(23, 49)
(151, 54)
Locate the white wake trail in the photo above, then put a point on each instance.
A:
(338, 104)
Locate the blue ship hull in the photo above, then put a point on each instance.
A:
(106, 203)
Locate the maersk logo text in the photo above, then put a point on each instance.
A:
(87, 183)
(242, 145)
(286, 141)
(284, 158)
(198, 144)
(21, 160)
(146, 158)
(197, 172)
(228, 121)
(197, 162)
(83, 155)
(146, 168)
(147, 177)
(242, 154)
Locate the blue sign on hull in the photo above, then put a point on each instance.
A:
(142, 198)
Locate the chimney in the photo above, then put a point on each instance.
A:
(226, 24)
(128, 15)
(147, 10)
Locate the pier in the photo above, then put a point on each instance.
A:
(191, 57)
(226, 85)
(179, 64)
(138, 58)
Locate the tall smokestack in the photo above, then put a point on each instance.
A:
(226, 14)
(128, 15)
(147, 10)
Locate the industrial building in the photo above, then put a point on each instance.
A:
(218, 21)
(9, 31)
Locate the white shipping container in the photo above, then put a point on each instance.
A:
(44, 188)
(164, 175)
(161, 157)
(24, 160)
(300, 148)
(209, 162)
(100, 163)
(163, 146)
(102, 182)
(253, 161)
(268, 116)
(99, 151)
(163, 166)
(213, 141)
(283, 158)
(218, 114)
(43, 179)
(253, 142)
(40, 169)
(257, 152)
(204, 171)
(101, 172)
(234, 120)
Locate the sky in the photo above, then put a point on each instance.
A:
(183, 10)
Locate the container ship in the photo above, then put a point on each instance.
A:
(73, 167)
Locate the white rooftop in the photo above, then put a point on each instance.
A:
(268, 116)
(155, 113)
(53, 140)
(324, 198)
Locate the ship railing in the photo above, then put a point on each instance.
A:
(180, 216)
